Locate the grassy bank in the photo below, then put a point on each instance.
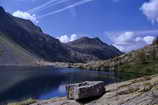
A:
(130, 71)
(145, 62)
(142, 62)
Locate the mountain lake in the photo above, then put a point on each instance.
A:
(18, 83)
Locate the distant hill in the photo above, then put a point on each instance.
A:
(131, 65)
(31, 38)
(95, 47)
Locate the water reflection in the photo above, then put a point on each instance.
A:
(41, 83)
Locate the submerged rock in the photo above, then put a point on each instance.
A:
(85, 90)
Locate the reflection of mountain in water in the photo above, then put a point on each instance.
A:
(41, 83)
(32, 86)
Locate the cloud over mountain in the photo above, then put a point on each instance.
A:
(25, 15)
(127, 41)
(66, 38)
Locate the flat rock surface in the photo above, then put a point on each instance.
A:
(141, 91)
(57, 101)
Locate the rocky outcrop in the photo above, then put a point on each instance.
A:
(85, 90)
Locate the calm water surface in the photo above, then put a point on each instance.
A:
(17, 83)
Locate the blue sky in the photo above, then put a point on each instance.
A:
(135, 21)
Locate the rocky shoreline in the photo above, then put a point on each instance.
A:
(141, 91)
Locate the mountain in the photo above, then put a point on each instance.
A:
(138, 63)
(13, 54)
(95, 47)
(31, 38)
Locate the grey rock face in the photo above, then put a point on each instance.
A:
(85, 90)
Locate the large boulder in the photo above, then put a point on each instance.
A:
(84, 90)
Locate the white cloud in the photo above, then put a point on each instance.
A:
(73, 37)
(127, 41)
(121, 48)
(66, 38)
(124, 38)
(150, 10)
(149, 39)
(137, 39)
(63, 38)
(76, 4)
(25, 15)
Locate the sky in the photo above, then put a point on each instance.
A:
(126, 24)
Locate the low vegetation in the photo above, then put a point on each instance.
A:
(143, 62)
(26, 102)
(146, 63)
(129, 71)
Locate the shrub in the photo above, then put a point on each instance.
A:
(141, 57)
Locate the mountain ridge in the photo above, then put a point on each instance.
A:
(94, 46)
(31, 38)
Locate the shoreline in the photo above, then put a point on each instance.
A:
(130, 92)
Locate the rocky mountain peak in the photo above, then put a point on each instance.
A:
(87, 40)
(2, 11)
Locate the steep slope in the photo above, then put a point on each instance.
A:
(30, 37)
(95, 47)
(11, 53)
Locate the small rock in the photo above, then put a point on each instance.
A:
(85, 90)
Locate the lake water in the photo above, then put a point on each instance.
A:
(17, 83)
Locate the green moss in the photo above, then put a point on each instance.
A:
(147, 87)
(128, 91)
(125, 85)
(145, 78)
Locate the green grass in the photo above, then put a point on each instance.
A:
(130, 71)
